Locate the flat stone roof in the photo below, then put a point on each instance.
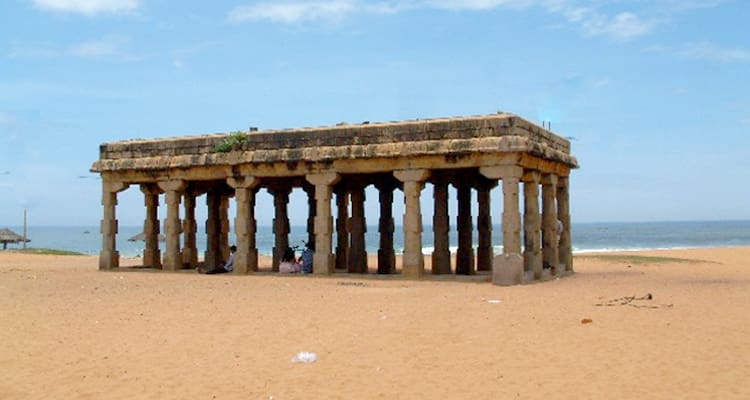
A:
(495, 133)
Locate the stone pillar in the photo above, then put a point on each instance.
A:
(532, 224)
(212, 259)
(413, 259)
(441, 255)
(189, 229)
(311, 212)
(549, 221)
(386, 254)
(565, 245)
(172, 256)
(323, 261)
(109, 258)
(151, 230)
(511, 175)
(246, 257)
(342, 231)
(484, 225)
(224, 218)
(357, 229)
(465, 252)
(280, 223)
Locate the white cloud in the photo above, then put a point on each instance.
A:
(182, 57)
(7, 118)
(8, 127)
(624, 25)
(689, 5)
(108, 46)
(291, 12)
(711, 52)
(477, 4)
(88, 7)
(705, 51)
(602, 82)
(33, 50)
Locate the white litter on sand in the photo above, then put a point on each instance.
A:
(305, 357)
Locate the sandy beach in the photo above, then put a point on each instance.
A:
(69, 331)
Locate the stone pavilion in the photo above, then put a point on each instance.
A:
(334, 165)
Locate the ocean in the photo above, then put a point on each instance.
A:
(587, 237)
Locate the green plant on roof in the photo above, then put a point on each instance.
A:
(235, 141)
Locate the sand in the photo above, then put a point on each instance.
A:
(69, 331)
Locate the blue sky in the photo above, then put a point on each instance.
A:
(655, 93)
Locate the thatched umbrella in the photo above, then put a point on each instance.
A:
(141, 237)
(8, 236)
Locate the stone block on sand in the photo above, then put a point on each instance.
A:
(507, 270)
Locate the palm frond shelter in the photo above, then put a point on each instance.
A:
(8, 236)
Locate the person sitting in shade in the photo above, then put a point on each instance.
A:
(227, 267)
(306, 259)
(289, 264)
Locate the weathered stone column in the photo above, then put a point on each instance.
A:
(441, 255)
(189, 229)
(280, 223)
(549, 221)
(311, 211)
(172, 256)
(413, 259)
(465, 251)
(323, 261)
(151, 230)
(485, 252)
(532, 224)
(342, 231)
(109, 258)
(386, 254)
(358, 228)
(246, 257)
(224, 218)
(212, 259)
(563, 214)
(511, 175)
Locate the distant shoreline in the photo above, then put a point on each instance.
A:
(587, 237)
(94, 228)
(584, 252)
